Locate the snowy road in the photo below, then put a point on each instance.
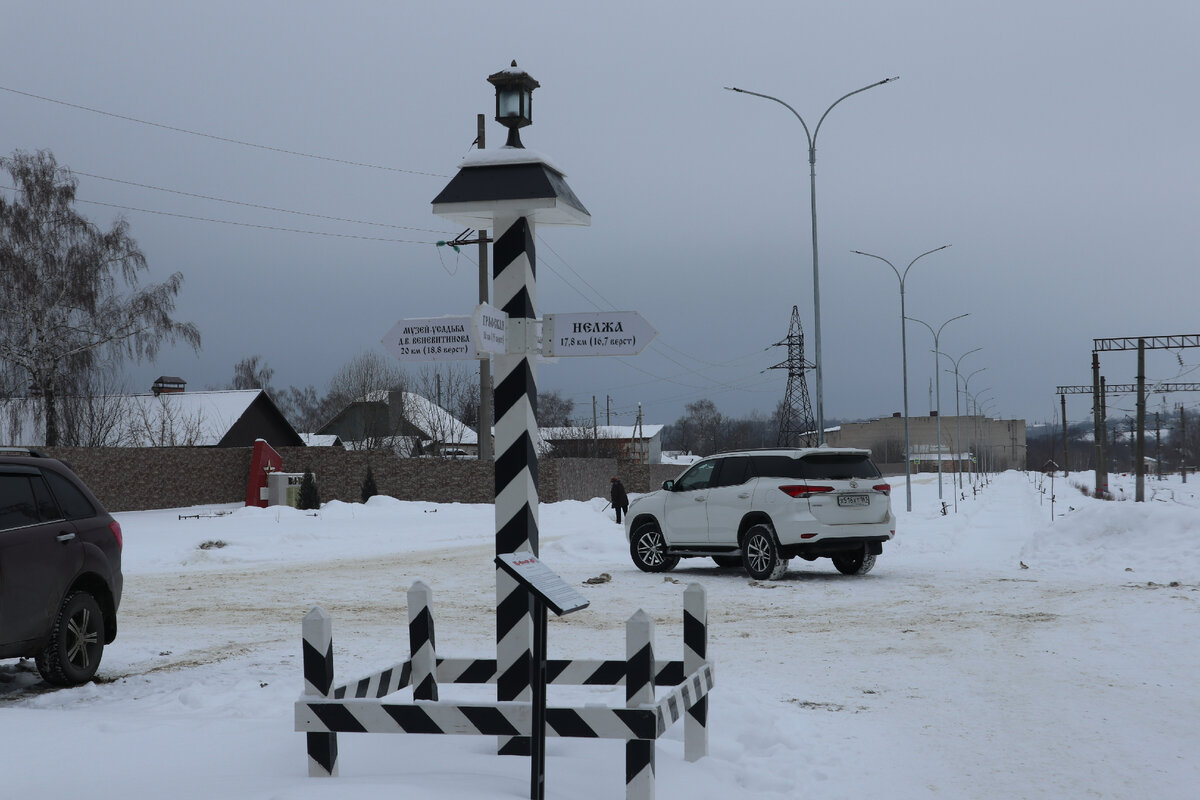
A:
(949, 671)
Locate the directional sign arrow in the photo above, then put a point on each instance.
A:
(598, 333)
(431, 339)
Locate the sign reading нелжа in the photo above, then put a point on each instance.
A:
(537, 577)
(595, 333)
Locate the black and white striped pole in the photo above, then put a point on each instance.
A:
(421, 642)
(639, 691)
(510, 190)
(317, 636)
(695, 653)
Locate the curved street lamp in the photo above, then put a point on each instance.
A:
(904, 360)
(937, 375)
(958, 422)
(812, 180)
(967, 394)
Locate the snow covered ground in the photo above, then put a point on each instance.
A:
(991, 653)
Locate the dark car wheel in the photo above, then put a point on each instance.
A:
(76, 642)
(856, 563)
(649, 549)
(760, 554)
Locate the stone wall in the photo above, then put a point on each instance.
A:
(139, 478)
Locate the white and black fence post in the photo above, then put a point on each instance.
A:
(317, 634)
(421, 642)
(639, 690)
(695, 653)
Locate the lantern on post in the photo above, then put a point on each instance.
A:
(514, 101)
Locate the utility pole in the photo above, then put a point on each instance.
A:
(607, 410)
(485, 364)
(1066, 453)
(1098, 429)
(1140, 451)
(1182, 444)
(1157, 447)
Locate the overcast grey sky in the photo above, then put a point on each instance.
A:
(1052, 143)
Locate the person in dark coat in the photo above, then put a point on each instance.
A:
(620, 500)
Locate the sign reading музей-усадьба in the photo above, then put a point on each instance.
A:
(448, 338)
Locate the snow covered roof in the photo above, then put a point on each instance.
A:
(321, 439)
(601, 432)
(507, 155)
(195, 419)
(429, 417)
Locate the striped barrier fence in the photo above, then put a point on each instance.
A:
(325, 710)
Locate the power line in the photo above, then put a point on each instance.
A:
(255, 205)
(220, 138)
(249, 224)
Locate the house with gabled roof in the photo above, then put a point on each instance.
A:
(406, 422)
(167, 416)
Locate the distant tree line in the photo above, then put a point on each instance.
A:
(1169, 442)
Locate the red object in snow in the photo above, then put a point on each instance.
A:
(264, 462)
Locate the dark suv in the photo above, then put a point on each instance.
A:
(60, 569)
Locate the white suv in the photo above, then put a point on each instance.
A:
(759, 508)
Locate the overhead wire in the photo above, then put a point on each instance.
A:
(256, 205)
(215, 137)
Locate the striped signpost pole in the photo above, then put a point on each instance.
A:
(317, 634)
(515, 291)
(510, 190)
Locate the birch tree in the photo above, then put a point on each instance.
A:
(69, 293)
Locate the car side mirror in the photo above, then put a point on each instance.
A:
(668, 485)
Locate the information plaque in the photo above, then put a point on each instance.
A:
(540, 579)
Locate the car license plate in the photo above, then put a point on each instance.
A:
(853, 500)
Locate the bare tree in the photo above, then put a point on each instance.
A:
(95, 410)
(367, 395)
(554, 410)
(707, 425)
(305, 409)
(445, 387)
(252, 372)
(365, 375)
(159, 422)
(69, 294)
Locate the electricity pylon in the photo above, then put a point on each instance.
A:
(797, 426)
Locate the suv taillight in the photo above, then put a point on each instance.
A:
(886, 488)
(804, 491)
(115, 527)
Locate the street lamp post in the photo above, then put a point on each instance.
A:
(958, 423)
(938, 380)
(981, 431)
(970, 434)
(904, 361)
(812, 180)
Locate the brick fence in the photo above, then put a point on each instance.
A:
(139, 478)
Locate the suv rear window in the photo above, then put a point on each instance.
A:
(817, 466)
(18, 507)
(72, 501)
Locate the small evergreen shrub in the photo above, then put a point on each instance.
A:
(369, 489)
(310, 497)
